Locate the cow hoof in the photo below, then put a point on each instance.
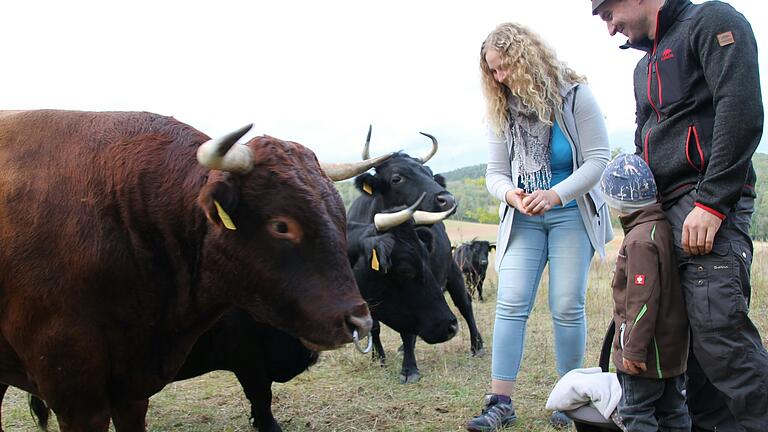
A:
(270, 426)
(478, 352)
(412, 378)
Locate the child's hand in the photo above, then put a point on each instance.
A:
(633, 367)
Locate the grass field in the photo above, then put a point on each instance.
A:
(346, 392)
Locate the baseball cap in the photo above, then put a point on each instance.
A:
(596, 4)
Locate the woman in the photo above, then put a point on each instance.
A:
(547, 149)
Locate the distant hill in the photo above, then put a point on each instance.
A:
(472, 172)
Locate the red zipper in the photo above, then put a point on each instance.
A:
(658, 80)
(698, 148)
(645, 147)
(692, 129)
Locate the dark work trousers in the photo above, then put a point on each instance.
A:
(727, 377)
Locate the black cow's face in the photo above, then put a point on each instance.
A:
(401, 180)
(480, 250)
(286, 260)
(394, 276)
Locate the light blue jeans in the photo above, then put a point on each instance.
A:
(558, 237)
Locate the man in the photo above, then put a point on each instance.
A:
(699, 120)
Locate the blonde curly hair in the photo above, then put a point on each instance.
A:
(535, 79)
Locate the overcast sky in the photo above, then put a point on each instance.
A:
(315, 72)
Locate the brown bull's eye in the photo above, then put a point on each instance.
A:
(285, 228)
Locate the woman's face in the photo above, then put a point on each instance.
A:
(499, 72)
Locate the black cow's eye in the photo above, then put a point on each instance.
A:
(396, 179)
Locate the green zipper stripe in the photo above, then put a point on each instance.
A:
(658, 361)
(653, 232)
(642, 312)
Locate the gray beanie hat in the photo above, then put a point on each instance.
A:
(627, 183)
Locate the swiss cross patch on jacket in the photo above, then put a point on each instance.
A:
(649, 309)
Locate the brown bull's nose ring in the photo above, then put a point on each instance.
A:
(356, 340)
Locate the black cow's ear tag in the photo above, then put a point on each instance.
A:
(225, 219)
(374, 260)
(367, 188)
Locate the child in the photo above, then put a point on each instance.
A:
(650, 348)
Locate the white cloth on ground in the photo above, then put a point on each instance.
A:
(586, 386)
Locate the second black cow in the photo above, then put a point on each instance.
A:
(472, 259)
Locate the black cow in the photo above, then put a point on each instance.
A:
(258, 354)
(472, 259)
(399, 181)
(391, 261)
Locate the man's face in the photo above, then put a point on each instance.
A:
(625, 17)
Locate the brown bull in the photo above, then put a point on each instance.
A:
(118, 249)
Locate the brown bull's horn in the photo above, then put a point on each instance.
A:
(343, 171)
(366, 148)
(431, 152)
(430, 218)
(222, 153)
(385, 221)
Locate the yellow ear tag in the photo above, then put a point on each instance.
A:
(374, 261)
(225, 219)
(367, 188)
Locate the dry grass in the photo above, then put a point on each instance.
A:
(346, 392)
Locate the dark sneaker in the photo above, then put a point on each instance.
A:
(559, 420)
(495, 416)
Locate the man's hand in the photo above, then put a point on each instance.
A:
(540, 201)
(633, 367)
(514, 198)
(699, 231)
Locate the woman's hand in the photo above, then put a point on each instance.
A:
(540, 201)
(515, 198)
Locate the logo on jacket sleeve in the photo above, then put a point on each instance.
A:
(639, 279)
(667, 54)
(725, 38)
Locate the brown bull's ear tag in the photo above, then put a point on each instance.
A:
(374, 260)
(367, 188)
(225, 219)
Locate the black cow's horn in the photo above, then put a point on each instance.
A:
(431, 152)
(366, 148)
(423, 160)
(429, 218)
(343, 171)
(222, 153)
(385, 221)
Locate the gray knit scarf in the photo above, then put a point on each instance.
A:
(529, 139)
